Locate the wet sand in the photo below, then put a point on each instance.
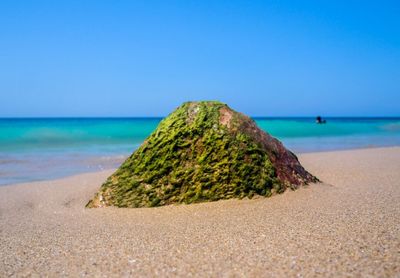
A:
(347, 226)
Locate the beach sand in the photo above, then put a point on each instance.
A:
(347, 226)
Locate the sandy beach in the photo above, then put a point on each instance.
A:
(346, 226)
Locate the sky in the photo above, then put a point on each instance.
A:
(144, 58)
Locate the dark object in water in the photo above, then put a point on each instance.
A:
(319, 120)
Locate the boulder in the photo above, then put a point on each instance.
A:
(203, 151)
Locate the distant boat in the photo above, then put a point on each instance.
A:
(319, 120)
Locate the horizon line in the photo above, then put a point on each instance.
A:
(161, 117)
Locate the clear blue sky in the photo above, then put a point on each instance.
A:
(143, 58)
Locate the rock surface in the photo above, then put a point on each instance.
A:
(203, 151)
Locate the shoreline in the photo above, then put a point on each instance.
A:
(346, 226)
(99, 170)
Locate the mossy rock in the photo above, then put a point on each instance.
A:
(203, 151)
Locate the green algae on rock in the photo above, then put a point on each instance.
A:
(203, 151)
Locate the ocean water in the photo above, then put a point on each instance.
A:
(39, 149)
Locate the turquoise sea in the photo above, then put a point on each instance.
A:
(39, 149)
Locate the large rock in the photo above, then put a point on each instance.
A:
(203, 151)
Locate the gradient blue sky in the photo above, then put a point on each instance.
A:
(143, 58)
